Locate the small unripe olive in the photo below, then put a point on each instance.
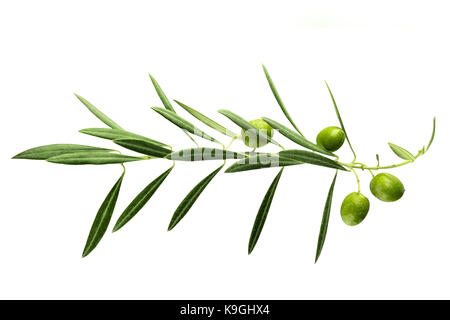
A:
(354, 208)
(251, 137)
(331, 138)
(387, 187)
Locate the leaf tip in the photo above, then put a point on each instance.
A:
(117, 226)
(85, 253)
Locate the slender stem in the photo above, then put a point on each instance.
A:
(357, 180)
(364, 167)
(232, 140)
(190, 137)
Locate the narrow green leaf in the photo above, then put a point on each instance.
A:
(278, 98)
(340, 119)
(113, 134)
(325, 219)
(141, 199)
(166, 103)
(261, 161)
(311, 158)
(51, 150)
(262, 213)
(201, 154)
(161, 94)
(401, 153)
(250, 129)
(183, 124)
(209, 122)
(295, 137)
(103, 218)
(432, 134)
(190, 199)
(92, 157)
(103, 117)
(238, 120)
(144, 147)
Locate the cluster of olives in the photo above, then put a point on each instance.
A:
(354, 208)
(384, 186)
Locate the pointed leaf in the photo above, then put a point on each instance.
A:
(261, 161)
(103, 117)
(201, 154)
(340, 119)
(144, 147)
(103, 218)
(190, 199)
(209, 122)
(325, 219)
(161, 94)
(311, 158)
(295, 137)
(250, 129)
(92, 157)
(166, 102)
(432, 134)
(401, 153)
(183, 124)
(141, 199)
(238, 120)
(51, 150)
(262, 213)
(113, 134)
(278, 98)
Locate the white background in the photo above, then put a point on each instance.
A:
(387, 64)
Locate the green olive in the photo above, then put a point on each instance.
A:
(252, 139)
(354, 208)
(331, 138)
(387, 187)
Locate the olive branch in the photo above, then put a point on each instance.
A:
(252, 134)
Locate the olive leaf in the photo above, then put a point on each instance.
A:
(103, 218)
(247, 126)
(295, 137)
(144, 147)
(278, 98)
(261, 161)
(401, 153)
(51, 150)
(103, 117)
(165, 101)
(325, 219)
(209, 122)
(311, 158)
(141, 199)
(190, 199)
(340, 119)
(432, 134)
(113, 134)
(262, 213)
(238, 120)
(200, 154)
(92, 157)
(183, 124)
